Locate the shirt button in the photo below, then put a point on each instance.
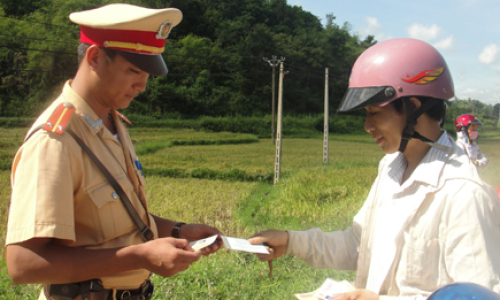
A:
(114, 195)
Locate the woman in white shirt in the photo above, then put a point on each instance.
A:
(429, 220)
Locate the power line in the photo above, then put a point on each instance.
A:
(301, 67)
(273, 62)
(37, 71)
(218, 60)
(30, 38)
(197, 74)
(40, 50)
(297, 72)
(65, 26)
(169, 74)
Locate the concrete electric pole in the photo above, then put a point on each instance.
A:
(327, 123)
(277, 165)
(273, 62)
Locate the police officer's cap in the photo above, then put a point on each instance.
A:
(138, 34)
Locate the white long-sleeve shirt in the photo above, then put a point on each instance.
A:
(472, 150)
(440, 226)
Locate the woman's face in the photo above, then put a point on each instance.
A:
(386, 126)
(473, 134)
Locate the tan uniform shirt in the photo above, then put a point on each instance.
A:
(58, 192)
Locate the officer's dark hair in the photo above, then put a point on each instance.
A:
(82, 48)
(436, 113)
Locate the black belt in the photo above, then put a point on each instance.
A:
(143, 293)
(85, 289)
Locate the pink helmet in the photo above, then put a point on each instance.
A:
(463, 121)
(397, 68)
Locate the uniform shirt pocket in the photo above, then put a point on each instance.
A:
(112, 216)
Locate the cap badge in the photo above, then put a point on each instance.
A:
(164, 31)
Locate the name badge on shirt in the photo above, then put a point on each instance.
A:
(139, 167)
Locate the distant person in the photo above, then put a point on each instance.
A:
(429, 220)
(78, 220)
(466, 126)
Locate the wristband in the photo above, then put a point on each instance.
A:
(176, 231)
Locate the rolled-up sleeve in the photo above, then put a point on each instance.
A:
(337, 250)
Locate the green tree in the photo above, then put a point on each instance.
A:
(18, 8)
(214, 56)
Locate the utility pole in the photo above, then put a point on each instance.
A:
(326, 124)
(273, 62)
(277, 164)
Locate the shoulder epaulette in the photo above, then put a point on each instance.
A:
(123, 118)
(59, 120)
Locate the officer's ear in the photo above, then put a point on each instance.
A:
(93, 57)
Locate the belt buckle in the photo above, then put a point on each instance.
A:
(129, 296)
(96, 285)
(151, 291)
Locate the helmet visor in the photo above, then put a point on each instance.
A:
(357, 98)
(476, 122)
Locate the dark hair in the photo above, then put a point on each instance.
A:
(437, 112)
(82, 48)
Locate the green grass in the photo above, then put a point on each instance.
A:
(155, 145)
(10, 140)
(218, 184)
(490, 147)
(166, 137)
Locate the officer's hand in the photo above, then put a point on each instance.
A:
(194, 232)
(357, 295)
(277, 239)
(168, 256)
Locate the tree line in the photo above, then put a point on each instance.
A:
(215, 58)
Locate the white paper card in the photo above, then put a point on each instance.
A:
(307, 296)
(243, 245)
(231, 244)
(200, 244)
(332, 287)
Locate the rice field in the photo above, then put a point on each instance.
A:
(309, 194)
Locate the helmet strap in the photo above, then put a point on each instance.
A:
(467, 131)
(411, 120)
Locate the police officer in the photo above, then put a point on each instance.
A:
(78, 219)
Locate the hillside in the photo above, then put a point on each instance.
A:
(215, 57)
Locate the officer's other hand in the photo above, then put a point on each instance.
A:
(168, 256)
(194, 232)
(357, 295)
(277, 239)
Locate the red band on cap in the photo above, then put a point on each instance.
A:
(96, 36)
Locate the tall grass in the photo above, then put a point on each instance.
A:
(212, 202)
